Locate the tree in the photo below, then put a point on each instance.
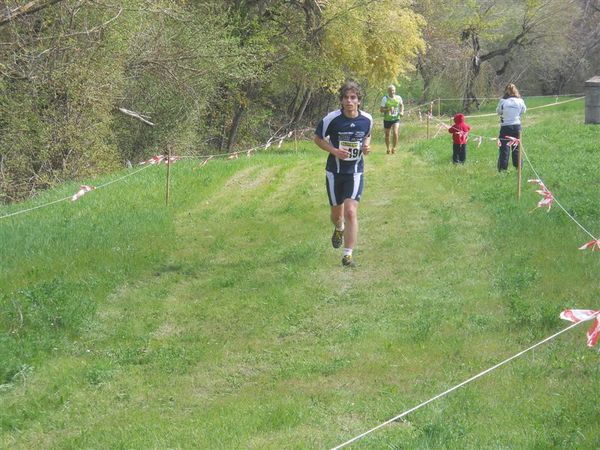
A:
(528, 23)
(313, 36)
(477, 46)
(573, 55)
(69, 70)
(375, 41)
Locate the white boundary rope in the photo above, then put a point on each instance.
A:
(440, 122)
(554, 197)
(528, 109)
(275, 138)
(525, 96)
(446, 392)
(269, 142)
(69, 197)
(419, 107)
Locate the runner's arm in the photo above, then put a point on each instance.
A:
(324, 144)
(366, 145)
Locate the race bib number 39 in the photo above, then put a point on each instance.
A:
(353, 149)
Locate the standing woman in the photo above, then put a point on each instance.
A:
(510, 108)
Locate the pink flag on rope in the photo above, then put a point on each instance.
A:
(513, 141)
(82, 191)
(203, 163)
(548, 198)
(154, 160)
(161, 159)
(580, 315)
(537, 181)
(440, 127)
(594, 245)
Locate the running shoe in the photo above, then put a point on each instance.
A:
(348, 261)
(337, 238)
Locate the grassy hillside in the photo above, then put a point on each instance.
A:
(225, 320)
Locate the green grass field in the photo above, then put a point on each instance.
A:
(225, 320)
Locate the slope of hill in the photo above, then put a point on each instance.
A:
(226, 321)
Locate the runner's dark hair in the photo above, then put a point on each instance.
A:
(350, 85)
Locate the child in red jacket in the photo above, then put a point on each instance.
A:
(460, 135)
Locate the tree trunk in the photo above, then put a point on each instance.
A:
(425, 76)
(292, 105)
(300, 112)
(474, 70)
(237, 119)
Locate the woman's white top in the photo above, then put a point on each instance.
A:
(510, 110)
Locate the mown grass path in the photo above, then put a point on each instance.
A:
(248, 333)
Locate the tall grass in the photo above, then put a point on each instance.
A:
(225, 320)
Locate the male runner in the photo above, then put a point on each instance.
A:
(346, 135)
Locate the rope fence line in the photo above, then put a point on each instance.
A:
(248, 152)
(550, 197)
(475, 116)
(70, 197)
(448, 391)
(163, 159)
(527, 96)
(554, 199)
(424, 107)
(528, 109)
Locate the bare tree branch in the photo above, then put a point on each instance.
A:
(26, 9)
(136, 115)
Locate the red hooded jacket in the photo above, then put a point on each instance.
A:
(459, 130)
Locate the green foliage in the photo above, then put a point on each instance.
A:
(375, 41)
(57, 108)
(165, 61)
(216, 75)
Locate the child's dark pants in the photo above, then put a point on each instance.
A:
(459, 153)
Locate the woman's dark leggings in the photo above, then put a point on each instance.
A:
(513, 131)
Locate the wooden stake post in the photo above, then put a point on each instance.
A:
(167, 190)
(428, 116)
(295, 141)
(519, 168)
